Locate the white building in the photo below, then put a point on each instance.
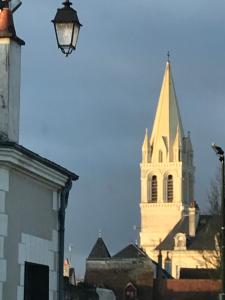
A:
(33, 194)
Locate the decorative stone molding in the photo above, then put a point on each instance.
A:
(17, 160)
(160, 204)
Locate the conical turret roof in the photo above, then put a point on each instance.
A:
(99, 250)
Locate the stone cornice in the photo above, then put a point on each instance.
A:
(15, 159)
(160, 204)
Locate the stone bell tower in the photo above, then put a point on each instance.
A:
(10, 58)
(167, 171)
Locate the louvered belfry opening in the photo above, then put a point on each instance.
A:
(170, 188)
(154, 187)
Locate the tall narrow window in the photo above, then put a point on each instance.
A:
(170, 188)
(154, 189)
(160, 156)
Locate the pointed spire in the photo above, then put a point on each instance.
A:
(145, 143)
(177, 146)
(145, 147)
(167, 119)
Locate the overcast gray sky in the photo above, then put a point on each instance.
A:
(89, 112)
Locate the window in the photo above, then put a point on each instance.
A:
(170, 188)
(160, 156)
(154, 189)
(36, 282)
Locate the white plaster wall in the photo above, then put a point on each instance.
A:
(40, 251)
(31, 227)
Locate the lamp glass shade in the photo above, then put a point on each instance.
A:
(64, 33)
(67, 36)
(75, 34)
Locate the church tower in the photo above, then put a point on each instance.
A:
(167, 170)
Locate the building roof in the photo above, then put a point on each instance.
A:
(198, 273)
(131, 251)
(205, 234)
(99, 251)
(34, 156)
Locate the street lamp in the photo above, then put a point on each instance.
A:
(220, 153)
(67, 27)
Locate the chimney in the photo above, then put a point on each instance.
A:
(193, 218)
(159, 266)
(10, 55)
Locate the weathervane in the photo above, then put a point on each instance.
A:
(13, 5)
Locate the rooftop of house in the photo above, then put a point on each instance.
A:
(198, 273)
(129, 254)
(204, 239)
(131, 251)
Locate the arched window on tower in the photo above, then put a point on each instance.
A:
(170, 188)
(153, 196)
(160, 156)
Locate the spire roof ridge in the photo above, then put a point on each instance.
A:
(167, 118)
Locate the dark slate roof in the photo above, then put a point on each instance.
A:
(207, 228)
(198, 273)
(35, 156)
(131, 251)
(99, 251)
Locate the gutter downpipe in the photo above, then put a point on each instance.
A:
(62, 211)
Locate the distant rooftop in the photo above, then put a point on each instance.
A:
(131, 251)
(99, 251)
(205, 234)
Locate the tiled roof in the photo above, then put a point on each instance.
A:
(99, 251)
(131, 251)
(198, 273)
(204, 239)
